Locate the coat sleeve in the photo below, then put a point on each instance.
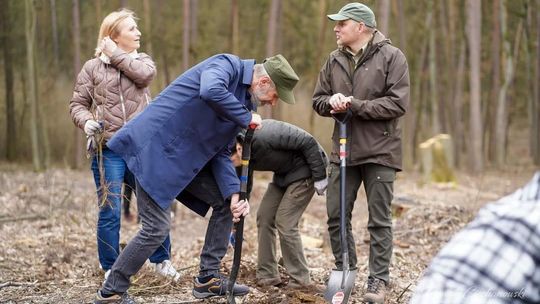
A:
(140, 70)
(323, 91)
(81, 101)
(395, 100)
(284, 136)
(225, 173)
(214, 89)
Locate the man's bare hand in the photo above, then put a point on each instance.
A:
(256, 120)
(238, 208)
(340, 103)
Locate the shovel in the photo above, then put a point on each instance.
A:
(341, 282)
(239, 226)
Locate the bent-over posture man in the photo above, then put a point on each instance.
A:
(179, 148)
(299, 166)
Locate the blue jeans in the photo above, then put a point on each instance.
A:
(108, 225)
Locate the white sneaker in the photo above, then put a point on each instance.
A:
(166, 269)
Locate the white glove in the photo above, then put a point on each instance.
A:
(320, 186)
(91, 127)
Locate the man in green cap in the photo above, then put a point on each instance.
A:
(368, 77)
(179, 147)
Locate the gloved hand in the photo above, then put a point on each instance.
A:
(320, 186)
(92, 127)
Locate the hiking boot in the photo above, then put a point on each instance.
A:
(376, 290)
(268, 282)
(114, 299)
(217, 286)
(167, 270)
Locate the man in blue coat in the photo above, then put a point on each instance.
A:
(179, 147)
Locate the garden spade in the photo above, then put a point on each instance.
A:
(239, 226)
(341, 282)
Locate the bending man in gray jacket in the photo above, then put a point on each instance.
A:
(299, 166)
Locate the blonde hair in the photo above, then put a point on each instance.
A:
(109, 26)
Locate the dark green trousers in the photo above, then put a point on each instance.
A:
(378, 183)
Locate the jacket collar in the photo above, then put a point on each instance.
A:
(247, 75)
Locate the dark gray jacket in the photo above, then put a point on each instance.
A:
(379, 84)
(288, 151)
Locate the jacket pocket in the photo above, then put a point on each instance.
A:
(385, 176)
(178, 140)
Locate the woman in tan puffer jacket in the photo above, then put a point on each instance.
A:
(111, 89)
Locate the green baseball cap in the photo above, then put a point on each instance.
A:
(357, 12)
(283, 76)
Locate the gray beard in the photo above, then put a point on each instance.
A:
(255, 100)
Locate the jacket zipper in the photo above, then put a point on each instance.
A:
(121, 96)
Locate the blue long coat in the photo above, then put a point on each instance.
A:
(191, 123)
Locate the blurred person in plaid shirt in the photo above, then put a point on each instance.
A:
(495, 259)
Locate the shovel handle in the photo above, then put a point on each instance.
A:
(239, 226)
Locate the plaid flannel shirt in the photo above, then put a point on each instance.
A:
(495, 259)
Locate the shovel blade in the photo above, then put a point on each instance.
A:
(335, 293)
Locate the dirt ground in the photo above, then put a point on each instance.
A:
(48, 237)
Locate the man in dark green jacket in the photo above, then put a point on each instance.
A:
(299, 166)
(369, 76)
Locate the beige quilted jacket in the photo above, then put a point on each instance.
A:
(112, 92)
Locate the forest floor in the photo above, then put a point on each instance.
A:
(48, 243)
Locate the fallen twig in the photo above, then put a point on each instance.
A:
(17, 284)
(403, 292)
(28, 217)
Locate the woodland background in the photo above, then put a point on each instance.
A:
(474, 67)
(475, 74)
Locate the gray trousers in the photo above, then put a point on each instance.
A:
(281, 210)
(216, 241)
(155, 226)
(378, 184)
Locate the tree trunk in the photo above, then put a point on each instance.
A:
(535, 130)
(402, 26)
(54, 33)
(77, 135)
(501, 119)
(433, 85)
(323, 8)
(383, 16)
(273, 20)
(11, 133)
(458, 122)
(235, 39)
(474, 26)
(147, 11)
(98, 13)
(185, 40)
(30, 31)
(496, 79)
(193, 20)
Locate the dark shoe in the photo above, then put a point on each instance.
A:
(376, 291)
(268, 282)
(115, 299)
(217, 286)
